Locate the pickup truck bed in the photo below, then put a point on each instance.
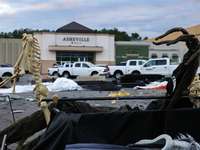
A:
(54, 70)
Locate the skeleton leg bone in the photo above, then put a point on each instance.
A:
(196, 54)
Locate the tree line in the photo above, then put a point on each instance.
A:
(119, 35)
(17, 34)
(122, 35)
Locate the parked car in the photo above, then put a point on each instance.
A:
(107, 69)
(81, 68)
(7, 70)
(161, 66)
(131, 67)
(54, 70)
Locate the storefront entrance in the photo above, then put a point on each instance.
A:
(62, 57)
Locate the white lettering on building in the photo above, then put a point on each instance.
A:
(76, 40)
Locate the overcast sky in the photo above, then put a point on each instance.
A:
(149, 18)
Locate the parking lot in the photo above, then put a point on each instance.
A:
(28, 105)
(26, 79)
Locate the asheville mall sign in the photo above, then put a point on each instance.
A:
(76, 40)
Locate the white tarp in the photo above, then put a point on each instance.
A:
(182, 142)
(151, 85)
(60, 84)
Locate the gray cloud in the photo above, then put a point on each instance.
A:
(148, 18)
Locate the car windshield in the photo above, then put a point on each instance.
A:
(91, 64)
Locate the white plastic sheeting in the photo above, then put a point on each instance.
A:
(151, 85)
(60, 84)
(184, 142)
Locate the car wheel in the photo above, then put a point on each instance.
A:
(118, 74)
(66, 74)
(135, 73)
(55, 74)
(7, 75)
(108, 75)
(94, 73)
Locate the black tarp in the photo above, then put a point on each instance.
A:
(118, 128)
(99, 85)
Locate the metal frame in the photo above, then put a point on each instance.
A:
(115, 98)
(9, 99)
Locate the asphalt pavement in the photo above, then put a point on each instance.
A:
(28, 104)
(30, 97)
(26, 79)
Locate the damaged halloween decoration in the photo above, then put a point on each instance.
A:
(184, 74)
(194, 89)
(32, 55)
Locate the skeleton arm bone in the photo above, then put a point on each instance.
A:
(183, 38)
(16, 67)
(190, 40)
(24, 59)
(171, 31)
(196, 54)
(180, 38)
(162, 42)
(4, 82)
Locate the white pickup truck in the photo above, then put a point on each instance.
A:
(161, 66)
(80, 68)
(131, 67)
(6, 70)
(54, 70)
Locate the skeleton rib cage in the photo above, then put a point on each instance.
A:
(32, 55)
(34, 59)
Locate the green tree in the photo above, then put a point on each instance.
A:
(18, 33)
(136, 37)
(145, 38)
(121, 36)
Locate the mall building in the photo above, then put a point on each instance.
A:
(125, 50)
(75, 42)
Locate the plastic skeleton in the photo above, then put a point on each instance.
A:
(181, 142)
(31, 54)
(183, 75)
(195, 91)
(193, 45)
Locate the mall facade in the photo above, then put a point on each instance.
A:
(75, 42)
